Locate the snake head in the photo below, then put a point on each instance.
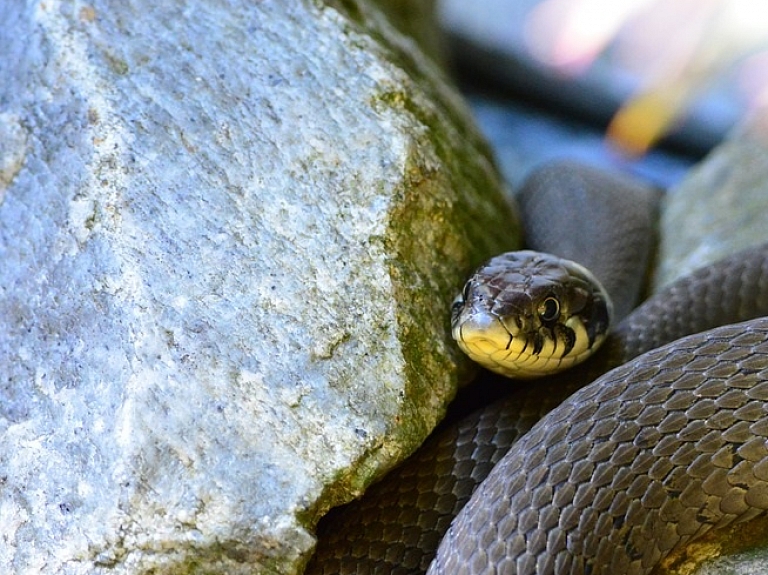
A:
(526, 314)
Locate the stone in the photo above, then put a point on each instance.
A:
(13, 144)
(734, 550)
(230, 234)
(719, 208)
(416, 19)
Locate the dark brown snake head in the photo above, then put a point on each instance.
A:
(526, 314)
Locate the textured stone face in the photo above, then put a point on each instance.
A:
(229, 236)
(721, 207)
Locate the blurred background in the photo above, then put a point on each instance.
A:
(645, 86)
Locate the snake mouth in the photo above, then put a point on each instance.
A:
(523, 353)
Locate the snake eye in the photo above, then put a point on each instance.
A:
(549, 309)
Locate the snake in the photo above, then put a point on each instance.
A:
(603, 468)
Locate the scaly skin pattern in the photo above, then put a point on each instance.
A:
(649, 456)
(499, 319)
(396, 526)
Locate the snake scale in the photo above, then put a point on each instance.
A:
(669, 444)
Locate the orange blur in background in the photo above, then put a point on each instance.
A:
(677, 48)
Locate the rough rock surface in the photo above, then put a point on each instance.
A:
(721, 207)
(747, 563)
(735, 550)
(229, 232)
(416, 19)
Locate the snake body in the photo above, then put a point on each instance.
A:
(651, 455)
(604, 221)
(654, 453)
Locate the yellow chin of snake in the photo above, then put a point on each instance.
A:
(512, 354)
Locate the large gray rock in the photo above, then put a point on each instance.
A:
(416, 19)
(229, 235)
(720, 208)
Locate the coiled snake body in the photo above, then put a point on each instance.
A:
(652, 454)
